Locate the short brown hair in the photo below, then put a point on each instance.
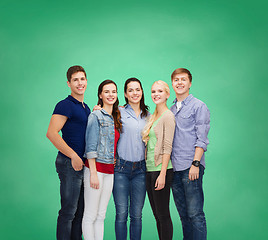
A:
(75, 69)
(181, 70)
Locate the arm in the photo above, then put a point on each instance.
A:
(194, 171)
(56, 124)
(161, 180)
(168, 135)
(94, 181)
(202, 119)
(92, 135)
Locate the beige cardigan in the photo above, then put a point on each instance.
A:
(164, 132)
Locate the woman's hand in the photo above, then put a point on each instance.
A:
(160, 182)
(94, 180)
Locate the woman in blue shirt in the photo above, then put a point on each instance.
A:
(130, 169)
(102, 134)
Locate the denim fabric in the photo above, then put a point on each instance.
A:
(100, 137)
(189, 199)
(129, 194)
(159, 201)
(69, 224)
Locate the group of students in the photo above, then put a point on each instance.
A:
(126, 151)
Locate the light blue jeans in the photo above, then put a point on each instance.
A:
(129, 194)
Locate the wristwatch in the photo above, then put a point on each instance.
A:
(196, 163)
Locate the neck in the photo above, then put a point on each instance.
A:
(80, 98)
(180, 98)
(108, 108)
(136, 108)
(161, 108)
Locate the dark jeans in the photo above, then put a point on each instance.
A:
(129, 194)
(159, 201)
(189, 199)
(69, 224)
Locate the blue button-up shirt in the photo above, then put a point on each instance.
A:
(130, 146)
(192, 127)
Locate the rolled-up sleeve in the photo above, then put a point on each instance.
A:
(202, 126)
(92, 136)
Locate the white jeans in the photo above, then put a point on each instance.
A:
(96, 202)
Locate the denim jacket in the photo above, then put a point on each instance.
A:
(100, 137)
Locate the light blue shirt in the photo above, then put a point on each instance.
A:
(191, 131)
(130, 146)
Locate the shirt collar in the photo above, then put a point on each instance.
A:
(130, 109)
(71, 98)
(186, 100)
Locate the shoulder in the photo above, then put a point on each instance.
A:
(168, 116)
(197, 102)
(96, 114)
(64, 107)
(64, 102)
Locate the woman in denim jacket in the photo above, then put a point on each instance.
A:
(130, 171)
(102, 134)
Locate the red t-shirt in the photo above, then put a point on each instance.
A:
(103, 167)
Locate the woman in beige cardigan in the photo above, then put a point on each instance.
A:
(158, 135)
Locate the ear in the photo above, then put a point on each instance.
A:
(125, 95)
(168, 95)
(68, 83)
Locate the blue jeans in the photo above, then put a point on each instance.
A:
(129, 194)
(69, 224)
(189, 200)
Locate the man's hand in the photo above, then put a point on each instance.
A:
(193, 173)
(160, 182)
(94, 180)
(77, 163)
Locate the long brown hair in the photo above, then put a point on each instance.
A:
(116, 113)
(143, 107)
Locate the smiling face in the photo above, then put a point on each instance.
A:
(77, 84)
(133, 92)
(159, 93)
(181, 84)
(108, 94)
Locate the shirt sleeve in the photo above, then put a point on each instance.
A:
(63, 108)
(169, 128)
(202, 126)
(92, 136)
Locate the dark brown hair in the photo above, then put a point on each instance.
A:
(116, 113)
(143, 107)
(181, 70)
(75, 69)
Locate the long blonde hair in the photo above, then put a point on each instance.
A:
(147, 128)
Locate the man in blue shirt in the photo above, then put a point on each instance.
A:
(70, 117)
(190, 142)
